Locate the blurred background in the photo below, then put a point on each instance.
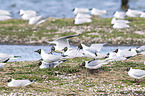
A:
(63, 8)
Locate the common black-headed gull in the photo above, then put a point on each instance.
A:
(94, 64)
(133, 13)
(98, 12)
(126, 52)
(32, 12)
(50, 65)
(92, 51)
(4, 56)
(82, 16)
(48, 58)
(3, 18)
(136, 73)
(4, 13)
(18, 83)
(120, 25)
(61, 43)
(118, 14)
(36, 20)
(81, 10)
(114, 20)
(71, 53)
(83, 20)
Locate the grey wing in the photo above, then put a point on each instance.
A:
(139, 73)
(97, 47)
(65, 37)
(62, 43)
(95, 63)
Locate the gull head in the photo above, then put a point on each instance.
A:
(127, 69)
(116, 50)
(65, 49)
(80, 46)
(52, 49)
(9, 80)
(83, 63)
(38, 51)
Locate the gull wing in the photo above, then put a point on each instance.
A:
(139, 73)
(97, 47)
(63, 41)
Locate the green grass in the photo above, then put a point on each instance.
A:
(69, 78)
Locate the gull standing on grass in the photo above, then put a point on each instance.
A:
(50, 65)
(136, 73)
(133, 13)
(36, 20)
(48, 58)
(19, 83)
(94, 64)
(61, 43)
(114, 20)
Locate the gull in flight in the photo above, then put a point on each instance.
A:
(92, 51)
(61, 43)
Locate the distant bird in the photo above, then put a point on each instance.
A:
(114, 20)
(61, 43)
(18, 83)
(80, 10)
(83, 20)
(30, 12)
(94, 64)
(120, 25)
(4, 56)
(82, 16)
(48, 58)
(133, 13)
(136, 73)
(4, 13)
(3, 63)
(98, 12)
(3, 18)
(120, 15)
(36, 20)
(92, 51)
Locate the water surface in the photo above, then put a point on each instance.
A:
(27, 51)
(63, 8)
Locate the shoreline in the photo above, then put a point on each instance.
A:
(18, 32)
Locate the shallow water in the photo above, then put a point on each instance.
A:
(63, 8)
(27, 51)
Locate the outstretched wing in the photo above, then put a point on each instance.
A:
(97, 47)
